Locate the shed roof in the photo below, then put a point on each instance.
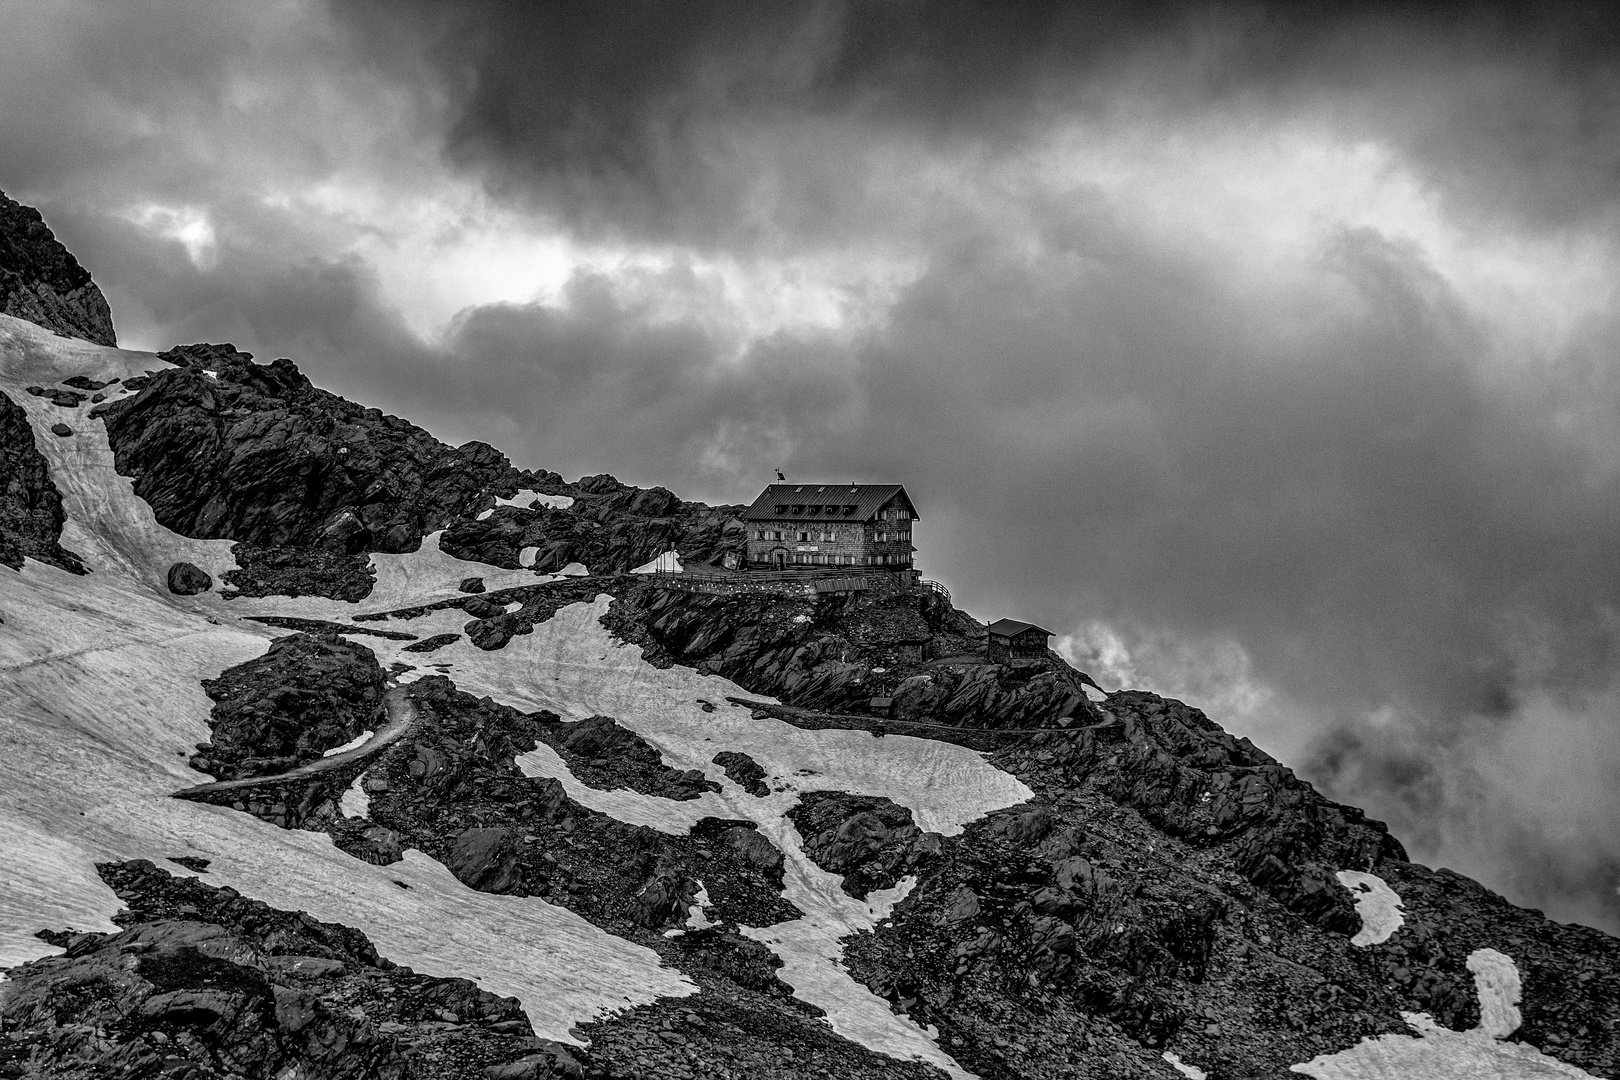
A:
(814, 499)
(1012, 628)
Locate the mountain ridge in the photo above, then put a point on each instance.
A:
(1012, 875)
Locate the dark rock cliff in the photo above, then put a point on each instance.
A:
(31, 514)
(226, 449)
(42, 282)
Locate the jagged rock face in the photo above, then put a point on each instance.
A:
(223, 448)
(605, 755)
(611, 528)
(204, 983)
(307, 694)
(42, 282)
(31, 515)
(870, 841)
(836, 653)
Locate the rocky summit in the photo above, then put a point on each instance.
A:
(335, 751)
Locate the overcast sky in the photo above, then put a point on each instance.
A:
(1270, 359)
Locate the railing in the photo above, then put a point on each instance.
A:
(934, 586)
(809, 581)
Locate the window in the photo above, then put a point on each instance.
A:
(804, 538)
(776, 534)
(850, 509)
(798, 509)
(781, 508)
(759, 534)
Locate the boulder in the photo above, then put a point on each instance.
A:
(61, 430)
(188, 579)
(754, 848)
(485, 859)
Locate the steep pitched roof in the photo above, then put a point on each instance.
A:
(812, 501)
(1012, 628)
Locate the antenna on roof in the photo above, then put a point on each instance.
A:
(779, 475)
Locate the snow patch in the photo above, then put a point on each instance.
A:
(1378, 905)
(574, 569)
(1438, 1053)
(358, 740)
(697, 915)
(526, 556)
(355, 803)
(529, 499)
(1496, 980)
(1191, 1072)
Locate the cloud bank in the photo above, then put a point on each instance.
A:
(1271, 355)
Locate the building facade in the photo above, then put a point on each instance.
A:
(1010, 639)
(820, 526)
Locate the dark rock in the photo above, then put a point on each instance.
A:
(84, 382)
(42, 282)
(610, 529)
(472, 585)
(490, 634)
(288, 571)
(223, 448)
(31, 514)
(321, 626)
(307, 693)
(433, 643)
(61, 430)
(870, 840)
(602, 753)
(753, 848)
(65, 399)
(191, 862)
(187, 579)
(484, 859)
(203, 982)
(743, 771)
(479, 608)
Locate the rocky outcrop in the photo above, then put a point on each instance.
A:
(188, 579)
(611, 528)
(31, 514)
(42, 282)
(836, 653)
(601, 753)
(206, 983)
(486, 860)
(307, 694)
(743, 771)
(222, 448)
(868, 840)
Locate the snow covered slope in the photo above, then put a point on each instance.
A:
(101, 704)
(1114, 888)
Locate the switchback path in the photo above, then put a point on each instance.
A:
(402, 714)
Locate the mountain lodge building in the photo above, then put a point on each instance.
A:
(1010, 639)
(816, 526)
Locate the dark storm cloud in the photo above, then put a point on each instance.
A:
(640, 117)
(1386, 523)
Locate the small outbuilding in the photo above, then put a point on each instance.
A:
(1014, 640)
